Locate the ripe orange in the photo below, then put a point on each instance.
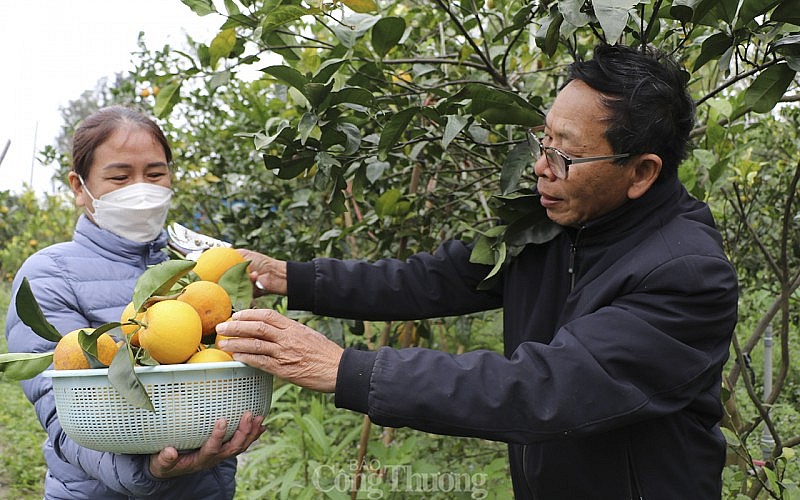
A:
(68, 354)
(125, 317)
(172, 332)
(213, 262)
(211, 302)
(209, 355)
(220, 337)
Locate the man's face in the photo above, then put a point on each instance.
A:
(576, 125)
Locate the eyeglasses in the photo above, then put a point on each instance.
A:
(557, 161)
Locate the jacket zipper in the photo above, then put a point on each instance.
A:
(525, 468)
(573, 250)
(635, 487)
(571, 270)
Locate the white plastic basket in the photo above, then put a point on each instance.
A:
(188, 400)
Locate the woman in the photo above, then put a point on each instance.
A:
(121, 177)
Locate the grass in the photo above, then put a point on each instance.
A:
(22, 467)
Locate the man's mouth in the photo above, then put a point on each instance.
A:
(548, 201)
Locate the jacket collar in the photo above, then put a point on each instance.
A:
(116, 248)
(651, 209)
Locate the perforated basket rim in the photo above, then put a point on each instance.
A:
(185, 367)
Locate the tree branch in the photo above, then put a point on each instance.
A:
(738, 78)
(488, 63)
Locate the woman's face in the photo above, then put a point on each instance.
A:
(128, 156)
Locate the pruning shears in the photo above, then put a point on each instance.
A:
(191, 244)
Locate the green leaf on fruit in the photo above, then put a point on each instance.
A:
(159, 280)
(236, 282)
(87, 339)
(122, 376)
(31, 314)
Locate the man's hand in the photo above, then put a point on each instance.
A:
(169, 463)
(283, 347)
(267, 274)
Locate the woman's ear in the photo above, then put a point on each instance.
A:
(78, 191)
(645, 172)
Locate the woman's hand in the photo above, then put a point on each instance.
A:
(169, 463)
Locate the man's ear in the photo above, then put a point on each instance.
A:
(81, 199)
(644, 173)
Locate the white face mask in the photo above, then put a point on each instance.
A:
(136, 212)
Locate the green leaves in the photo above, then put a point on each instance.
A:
(713, 47)
(392, 203)
(87, 339)
(497, 106)
(386, 33)
(24, 365)
(236, 282)
(280, 16)
(122, 376)
(168, 96)
(221, 46)
(159, 280)
(518, 160)
(490, 250)
(287, 75)
(789, 48)
(613, 16)
(394, 129)
(525, 222)
(21, 366)
(362, 6)
(769, 87)
(787, 12)
(200, 7)
(455, 124)
(31, 314)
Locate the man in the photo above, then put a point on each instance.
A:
(615, 331)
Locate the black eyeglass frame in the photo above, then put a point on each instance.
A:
(560, 163)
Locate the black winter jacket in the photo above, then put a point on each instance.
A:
(615, 338)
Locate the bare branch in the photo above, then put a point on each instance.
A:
(737, 78)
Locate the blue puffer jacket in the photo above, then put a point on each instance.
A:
(79, 284)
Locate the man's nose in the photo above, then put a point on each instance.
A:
(542, 168)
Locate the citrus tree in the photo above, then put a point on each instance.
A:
(54, 216)
(360, 129)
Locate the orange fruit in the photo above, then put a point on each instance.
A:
(213, 262)
(172, 331)
(68, 354)
(131, 328)
(210, 355)
(220, 337)
(211, 302)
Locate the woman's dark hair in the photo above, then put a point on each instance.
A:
(645, 92)
(100, 125)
